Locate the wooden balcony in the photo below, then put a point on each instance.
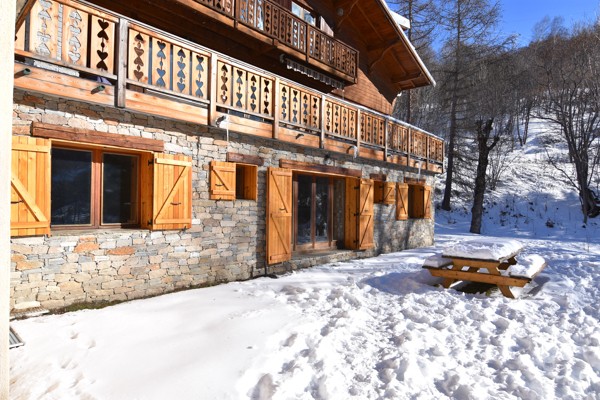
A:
(72, 50)
(291, 34)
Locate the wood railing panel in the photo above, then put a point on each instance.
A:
(223, 6)
(75, 36)
(372, 129)
(299, 107)
(102, 43)
(139, 56)
(340, 119)
(43, 30)
(243, 90)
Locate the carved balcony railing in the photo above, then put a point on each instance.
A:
(67, 49)
(279, 23)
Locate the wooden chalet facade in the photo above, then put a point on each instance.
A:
(160, 145)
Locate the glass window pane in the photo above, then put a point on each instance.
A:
(304, 209)
(322, 210)
(119, 189)
(71, 187)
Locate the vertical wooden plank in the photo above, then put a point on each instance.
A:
(182, 80)
(199, 75)
(427, 202)
(138, 68)
(276, 106)
(321, 120)
(102, 44)
(359, 132)
(75, 36)
(146, 185)
(366, 215)
(402, 202)
(43, 31)
(385, 140)
(122, 49)
(161, 64)
(20, 40)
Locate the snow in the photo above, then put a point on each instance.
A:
(490, 248)
(437, 261)
(527, 265)
(379, 328)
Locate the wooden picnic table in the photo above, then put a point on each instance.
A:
(485, 260)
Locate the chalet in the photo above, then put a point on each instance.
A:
(161, 145)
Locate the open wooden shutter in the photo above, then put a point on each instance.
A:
(358, 227)
(427, 202)
(389, 192)
(222, 180)
(279, 215)
(402, 202)
(30, 187)
(171, 192)
(365, 215)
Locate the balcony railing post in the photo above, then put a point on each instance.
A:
(385, 139)
(212, 107)
(408, 146)
(122, 56)
(358, 130)
(427, 153)
(322, 120)
(276, 106)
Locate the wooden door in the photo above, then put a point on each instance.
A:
(279, 215)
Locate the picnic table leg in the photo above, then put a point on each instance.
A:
(504, 289)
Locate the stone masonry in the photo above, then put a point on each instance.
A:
(227, 239)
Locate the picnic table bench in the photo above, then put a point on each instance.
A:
(486, 260)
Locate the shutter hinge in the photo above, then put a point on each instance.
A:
(150, 162)
(149, 222)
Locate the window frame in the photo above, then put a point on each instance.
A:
(97, 186)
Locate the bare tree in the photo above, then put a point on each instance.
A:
(466, 23)
(568, 70)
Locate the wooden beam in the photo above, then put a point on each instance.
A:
(23, 9)
(414, 181)
(78, 135)
(378, 177)
(318, 168)
(396, 79)
(121, 85)
(245, 159)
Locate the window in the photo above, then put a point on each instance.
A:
(93, 188)
(307, 15)
(75, 185)
(419, 201)
(231, 181)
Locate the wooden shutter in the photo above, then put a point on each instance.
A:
(171, 192)
(222, 180)
(279, 215)
(30, 187)
(427, 202)
(358, 227)
(365, 215)
(389, 192)
(402, 202)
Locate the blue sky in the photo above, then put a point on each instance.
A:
(519, 16)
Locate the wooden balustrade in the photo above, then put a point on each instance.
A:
(90, 43)
(223, 6)
(340, 120)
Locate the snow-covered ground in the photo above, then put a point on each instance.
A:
(369, 329)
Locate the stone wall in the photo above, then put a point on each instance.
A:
(227, 238)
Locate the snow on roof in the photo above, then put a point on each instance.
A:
(402, 22)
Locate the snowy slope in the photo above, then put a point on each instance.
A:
(370, 329)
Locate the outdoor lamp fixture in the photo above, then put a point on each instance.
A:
(23, 72)
(298, 136)
(98, 89)
(221, 119)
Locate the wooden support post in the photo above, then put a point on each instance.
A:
(322, 121)
(7, 44)
(212, 106)
(121, 87)
(276, 106)
(358, 130)
(408, 147)
(386, 140)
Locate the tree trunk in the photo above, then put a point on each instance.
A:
(483, 134)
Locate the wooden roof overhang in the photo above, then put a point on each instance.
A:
(390, 60)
